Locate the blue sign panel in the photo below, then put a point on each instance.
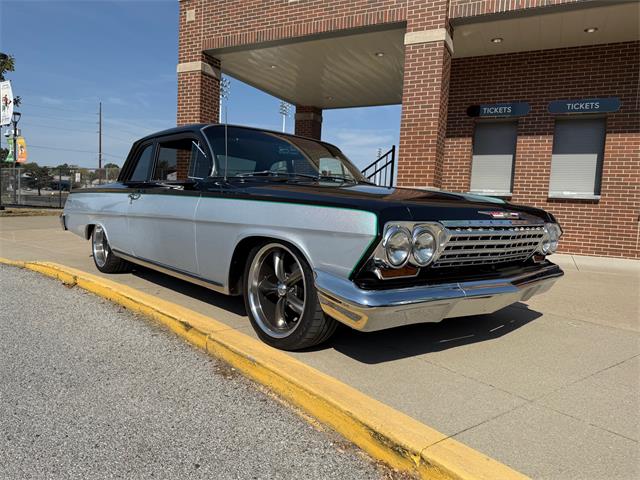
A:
(585, 105)
(515, 109)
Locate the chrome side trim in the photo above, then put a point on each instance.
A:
(182, 275)
(371, 310)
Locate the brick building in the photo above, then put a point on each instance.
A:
(535, 101)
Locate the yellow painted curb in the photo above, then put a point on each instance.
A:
(386, 434)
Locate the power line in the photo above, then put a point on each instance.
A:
(58, 109)
(30, 124)
(73, 150)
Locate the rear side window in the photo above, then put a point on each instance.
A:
(143, 165)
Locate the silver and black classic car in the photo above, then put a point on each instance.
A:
(289, 223)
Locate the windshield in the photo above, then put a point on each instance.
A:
(256, 152)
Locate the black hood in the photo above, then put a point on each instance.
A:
(391, 204)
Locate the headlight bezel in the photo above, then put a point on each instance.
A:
(390, 233)
(418, 231)
(380, 257)
(551, 238)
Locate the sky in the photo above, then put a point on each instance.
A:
(70, 55)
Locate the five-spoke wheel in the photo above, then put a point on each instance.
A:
(281, 300)
(103, 257)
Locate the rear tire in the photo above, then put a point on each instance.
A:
(103, 257)
(281, 299)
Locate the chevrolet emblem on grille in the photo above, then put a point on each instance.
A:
(501, 214)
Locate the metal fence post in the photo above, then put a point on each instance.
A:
(60, 187)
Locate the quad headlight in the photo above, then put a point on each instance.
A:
(407, 242)
(397, 245)
(552, 233)
(424, 246)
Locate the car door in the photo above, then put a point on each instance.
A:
(162, 208)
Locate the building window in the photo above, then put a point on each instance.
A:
(494, 149)
(576, 164)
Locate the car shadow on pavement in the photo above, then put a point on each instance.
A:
(231, 304)
(382, 346)
(411, 340)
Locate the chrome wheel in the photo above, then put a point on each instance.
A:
(276, 290)
(100, 246)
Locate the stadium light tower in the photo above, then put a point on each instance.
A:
(284, 111)
(225, 90)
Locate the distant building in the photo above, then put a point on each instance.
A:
(535, 101)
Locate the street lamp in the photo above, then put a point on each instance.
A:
(15, 118)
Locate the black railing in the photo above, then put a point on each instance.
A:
(381, 171)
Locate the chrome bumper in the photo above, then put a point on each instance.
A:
(371, 310)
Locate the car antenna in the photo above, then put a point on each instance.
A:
(225, 86)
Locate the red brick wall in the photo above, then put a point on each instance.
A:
(605, 227)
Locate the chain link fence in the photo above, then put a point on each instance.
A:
(49, 187)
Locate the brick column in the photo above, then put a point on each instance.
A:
(308, 121)
(198, 73)
(199, 90)
(425, 94)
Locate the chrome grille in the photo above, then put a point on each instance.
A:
(481, 245)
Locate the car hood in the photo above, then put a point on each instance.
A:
(396, 204)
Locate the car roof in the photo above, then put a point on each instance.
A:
(196, 127)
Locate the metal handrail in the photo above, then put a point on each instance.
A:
(381, 171)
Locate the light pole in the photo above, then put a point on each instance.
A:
(3, 57)
(284, 111)
(14, 120)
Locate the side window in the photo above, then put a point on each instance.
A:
(576, 163)
(174, 163)
(143, 165)
(494, 149)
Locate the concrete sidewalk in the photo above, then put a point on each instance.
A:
(550, 388)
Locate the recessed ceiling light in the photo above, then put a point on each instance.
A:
(274, 66)
(379, 54)
(591, 30)
(328, 97)
(497, 40)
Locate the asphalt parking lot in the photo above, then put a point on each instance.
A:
(88, 390)
(550, 387)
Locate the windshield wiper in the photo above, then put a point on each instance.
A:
(270, 173)
(337, 177)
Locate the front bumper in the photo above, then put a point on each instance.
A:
(371, 310)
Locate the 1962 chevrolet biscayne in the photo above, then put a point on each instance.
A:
(292, 225)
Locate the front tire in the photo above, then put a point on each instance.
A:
(103, 257)
(281, 299)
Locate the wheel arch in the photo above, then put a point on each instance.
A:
(88, 230)
(241, 251)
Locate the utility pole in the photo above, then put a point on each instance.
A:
(100, 136)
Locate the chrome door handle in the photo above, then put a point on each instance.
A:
(133, 196)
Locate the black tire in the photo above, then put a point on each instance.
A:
(311, 328)
(103, 258)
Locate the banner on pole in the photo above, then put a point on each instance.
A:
(9, 158)
(21, 145)
(6, 103)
